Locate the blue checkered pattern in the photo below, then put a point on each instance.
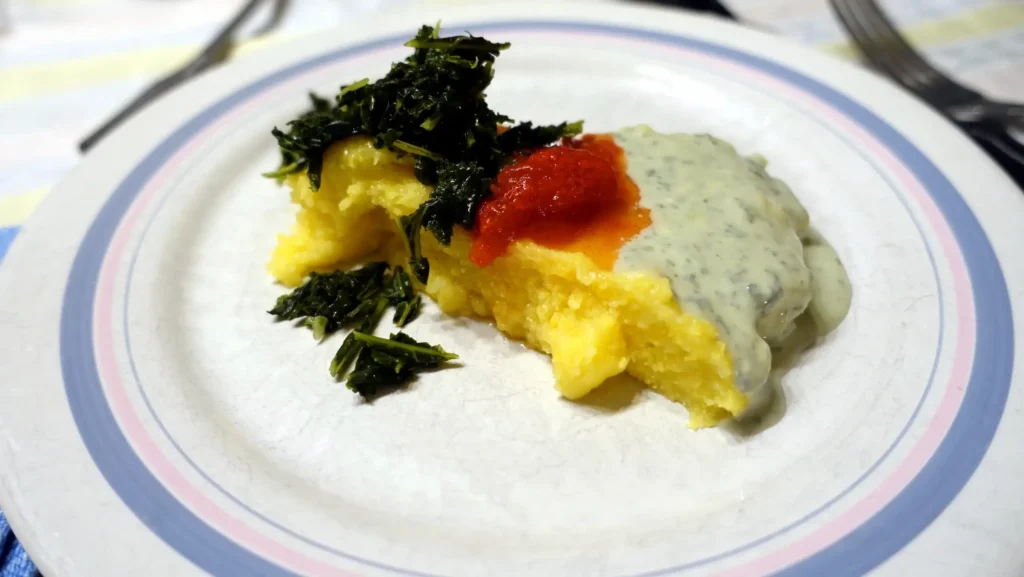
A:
(14, 562)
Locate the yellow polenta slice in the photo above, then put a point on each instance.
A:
(594, 323)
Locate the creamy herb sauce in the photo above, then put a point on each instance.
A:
(736, 246)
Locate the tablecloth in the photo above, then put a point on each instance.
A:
(65, 65)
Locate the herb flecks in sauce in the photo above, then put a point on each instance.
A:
(734, 243)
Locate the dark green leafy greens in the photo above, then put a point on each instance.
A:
(430, 105)
(390, 362)
(403, 297)
(347, 352)
(292, 157)
(327, 302)
(525, 136)
(409, 226)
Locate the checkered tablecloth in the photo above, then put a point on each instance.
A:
(65, 65)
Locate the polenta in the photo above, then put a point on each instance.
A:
(594, 323)
(669, 257)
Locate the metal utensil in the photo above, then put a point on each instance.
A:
(710, 6)
(986, 121)
(217, 51)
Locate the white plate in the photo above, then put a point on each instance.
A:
(155, 421)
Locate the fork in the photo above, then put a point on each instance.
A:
(986, 121)
(217, 51)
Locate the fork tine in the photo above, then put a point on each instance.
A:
(887, 50)
(865, 41)
(881, 44)
(915, 65)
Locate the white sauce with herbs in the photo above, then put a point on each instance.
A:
(736, 246)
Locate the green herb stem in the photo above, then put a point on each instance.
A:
(410, 348)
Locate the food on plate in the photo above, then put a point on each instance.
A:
(329, 301)
(669, 257)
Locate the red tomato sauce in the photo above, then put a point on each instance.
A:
(574, 197)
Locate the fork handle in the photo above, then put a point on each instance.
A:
(213, 53)
(154, 91)
(1005, 112)
(983, 110)
(1002, 147)
(710, 6)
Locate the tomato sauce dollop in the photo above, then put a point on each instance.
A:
(574, 197)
